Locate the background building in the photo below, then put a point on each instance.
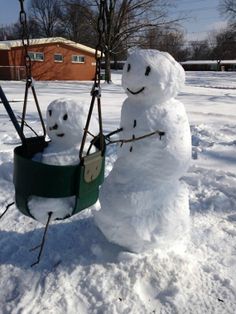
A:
(209, 65)
(52, 59)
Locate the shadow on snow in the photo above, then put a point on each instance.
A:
(78, 242)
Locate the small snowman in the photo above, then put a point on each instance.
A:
(144, 204)
(65, 122)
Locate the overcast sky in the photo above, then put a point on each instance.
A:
(204, 15)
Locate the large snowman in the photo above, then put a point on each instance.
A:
(65, 122)
(144, 204)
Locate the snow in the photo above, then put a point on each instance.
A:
(65, 124)
(143, 203)
(157, 72)
(80, 271)
(209, 62)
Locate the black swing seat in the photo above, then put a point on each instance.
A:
(53, 181)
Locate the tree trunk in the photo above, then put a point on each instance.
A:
(107, 67)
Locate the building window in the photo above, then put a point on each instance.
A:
(36, 56)
(58, 57)
(78, 59)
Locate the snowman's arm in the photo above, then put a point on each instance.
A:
(134, 139)
(113, 132)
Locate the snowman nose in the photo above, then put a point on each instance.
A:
(55, 127)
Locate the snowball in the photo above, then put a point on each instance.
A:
(143, 203)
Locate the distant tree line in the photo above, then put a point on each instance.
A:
(127, 24)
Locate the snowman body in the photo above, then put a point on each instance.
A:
(65, 127)
(158, 160)
(143, 203)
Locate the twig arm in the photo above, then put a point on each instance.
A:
(134, 139)
(6, 209)
(41, 245)
(114, 132)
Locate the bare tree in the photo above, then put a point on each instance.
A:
(76, 23)
(165, 39)
(228, 9)
(200, 50)
(125, 21)
(11, 32)
(46, 14)
(14, 31)
(225, 44)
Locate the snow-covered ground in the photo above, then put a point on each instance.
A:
(80, 271)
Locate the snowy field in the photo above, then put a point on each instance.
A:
(80, 271)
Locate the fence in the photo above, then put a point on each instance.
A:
(12, 73)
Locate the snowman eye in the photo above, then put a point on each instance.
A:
(128, 67)
(148, 70)
(50, 112)
(65, 117)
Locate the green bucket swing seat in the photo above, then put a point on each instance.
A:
(50, 181)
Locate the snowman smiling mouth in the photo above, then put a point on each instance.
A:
(135, 93)
(61, 134)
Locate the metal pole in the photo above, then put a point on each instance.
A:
(11, 115)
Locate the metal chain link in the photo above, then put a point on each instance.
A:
(96, 89)
(28, 69)
(25, 42)
(99, 48)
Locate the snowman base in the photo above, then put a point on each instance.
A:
(145, 220)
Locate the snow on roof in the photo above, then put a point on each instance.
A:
(209, 62)
(8, 44)
(228, 61)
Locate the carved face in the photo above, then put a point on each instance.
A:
(65, 122)
(149, 74)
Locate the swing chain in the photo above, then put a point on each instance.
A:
(25, 42)
(29, 83)
(96, 89)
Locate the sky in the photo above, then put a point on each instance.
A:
(203, 16)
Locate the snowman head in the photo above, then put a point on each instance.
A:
(152, 74)
(65, 122)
